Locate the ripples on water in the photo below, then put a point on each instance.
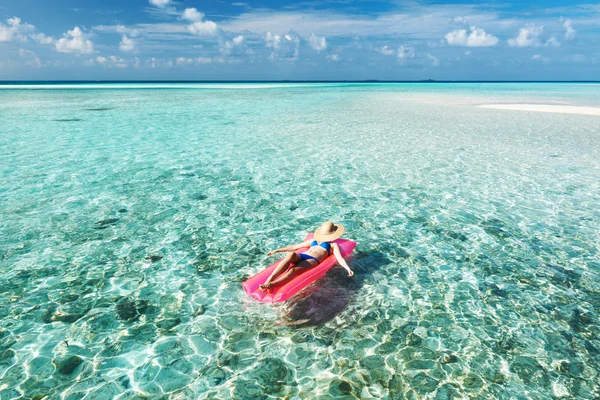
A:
(130, 219)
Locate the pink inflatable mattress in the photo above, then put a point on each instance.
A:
(298, 282)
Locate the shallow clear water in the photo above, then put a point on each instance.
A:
(131, 216)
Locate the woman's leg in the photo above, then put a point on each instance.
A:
(282, 266)
(291, 272)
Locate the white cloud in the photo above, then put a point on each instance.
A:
(426, 22)
(206, 28)
(74, 41)
(234, 45)
(119, 62)
(14, 30)
(42, 39)
(160, 3)
(334, 57)
(238, 40)
(385, 50)
(285, 47)
(433, 60)
(568, 25)
(122, 29)
(199, 27)
(552, 42)
(477, 38)
(159, 63)
(191, 14)
(111, 62)
(459, 20)
(25, 53)
(531, 36)
(406, 52)
(203, 60)
(538, 57)
(32, 59)
(317, 43)
(528, 36)
(184, 61)
(127, 44)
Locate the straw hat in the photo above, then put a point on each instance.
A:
(328, 232)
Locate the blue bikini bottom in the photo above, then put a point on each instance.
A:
(304, 257)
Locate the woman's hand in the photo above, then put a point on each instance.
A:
(271, 253)
(350, 272)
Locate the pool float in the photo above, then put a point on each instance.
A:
(287, 289)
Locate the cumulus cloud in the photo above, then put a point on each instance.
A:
(285, 47)
(532, 36)
(42, 39)
(198, 26)
(433, 60)
(570, 32)
(203, 60)
(232, 46)
(385, 50)
(334, 57)
(74, 41)
(119, 62)
(160, 3)
(406, 52)
(476, 38)
(110, 62)
(203, 28)
(191, 14)
(14, 30)
(127, 44)
(317, 43)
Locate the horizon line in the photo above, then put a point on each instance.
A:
(13, 82)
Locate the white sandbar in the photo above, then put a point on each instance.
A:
(548, 108)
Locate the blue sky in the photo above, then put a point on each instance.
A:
(311, 39)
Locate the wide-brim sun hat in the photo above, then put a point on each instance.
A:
(328, 232)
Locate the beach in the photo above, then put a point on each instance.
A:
(546, 108)
(131, 215)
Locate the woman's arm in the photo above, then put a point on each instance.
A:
(292, 247)
(338, 256)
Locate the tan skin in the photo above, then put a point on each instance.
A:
(318, 252)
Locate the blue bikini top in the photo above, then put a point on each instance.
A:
(324, 245)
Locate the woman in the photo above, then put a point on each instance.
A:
(318, 249)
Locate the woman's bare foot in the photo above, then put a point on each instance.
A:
(265, 286)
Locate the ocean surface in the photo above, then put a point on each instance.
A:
(131, 213)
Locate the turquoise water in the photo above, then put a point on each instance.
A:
(131, 214)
